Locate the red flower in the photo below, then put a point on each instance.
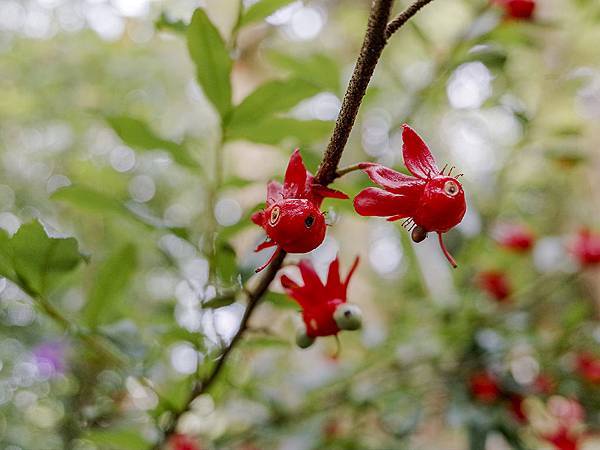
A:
(518, 9)
(543, 384)
(588, 367)
(183, 442)
(484, 387)
(495, 284)
(516, 237)
(292, 219)
(516, 407)
(324, 308)
(586, 248)
(434, 201)
(569, 415)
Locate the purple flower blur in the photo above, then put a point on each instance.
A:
(50, 358)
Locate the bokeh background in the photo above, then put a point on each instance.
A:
(106, 136)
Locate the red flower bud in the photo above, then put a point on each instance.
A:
(588, 367)
(495, 284)
(518, 9)
(292, 218)
(324, 308)
(433, 201)
(484, 387)
(586, 248)
(183, 442)
(515, 237)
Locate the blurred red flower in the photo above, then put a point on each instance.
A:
(518, 9)
(484, 387)
(515, 237)
(183, 442)
(588, 367)
(496, 284)
(585, 247)
(569, 415)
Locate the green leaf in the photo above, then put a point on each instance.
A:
(226, 262)
(220, 301)
(113, 278)
(138, 135)
(211, 58)
(318, 68)
(39, 261)
(273, 131)
(91, 200)
(164, 22)
(6, 266)
(271, 98)
(261, 10)
(122, 439)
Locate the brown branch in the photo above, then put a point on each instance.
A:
(378, 31)
(372, 46)
(404, 16)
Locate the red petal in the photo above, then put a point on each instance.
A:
(288, 284)
(326, 192)
(417, 157)
(393, 181)
(377, 202)
(258, 218)
(351, 272)
(309, 275)
(294, 185)
(274, 192)
(333, 276)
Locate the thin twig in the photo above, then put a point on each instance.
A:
(346, 170)
(403, 17)
(373, 44)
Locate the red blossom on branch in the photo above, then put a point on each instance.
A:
(292, 218)
(586, 248)
(324, 308)
(433, 201)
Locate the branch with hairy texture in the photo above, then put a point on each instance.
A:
(403, 17)
(375, 40)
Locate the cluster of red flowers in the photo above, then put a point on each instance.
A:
(430, 201)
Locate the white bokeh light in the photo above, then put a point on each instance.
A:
(306, 24)
(469, 86)
(122, 158)
(228, 212)
(184, 358)
(142, 188)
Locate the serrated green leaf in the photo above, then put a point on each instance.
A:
(211, 58)
(39, 261)
(318, 68)
(270, 98)
(261, 10)
(273, 131)
(111, 282)
(122, 439)
(138, 135)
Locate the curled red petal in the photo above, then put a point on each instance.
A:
(446, 252)
(393, 181)
(294, 185)
(417, 156)
(274, 192)
(288, 284)
(377, 202)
